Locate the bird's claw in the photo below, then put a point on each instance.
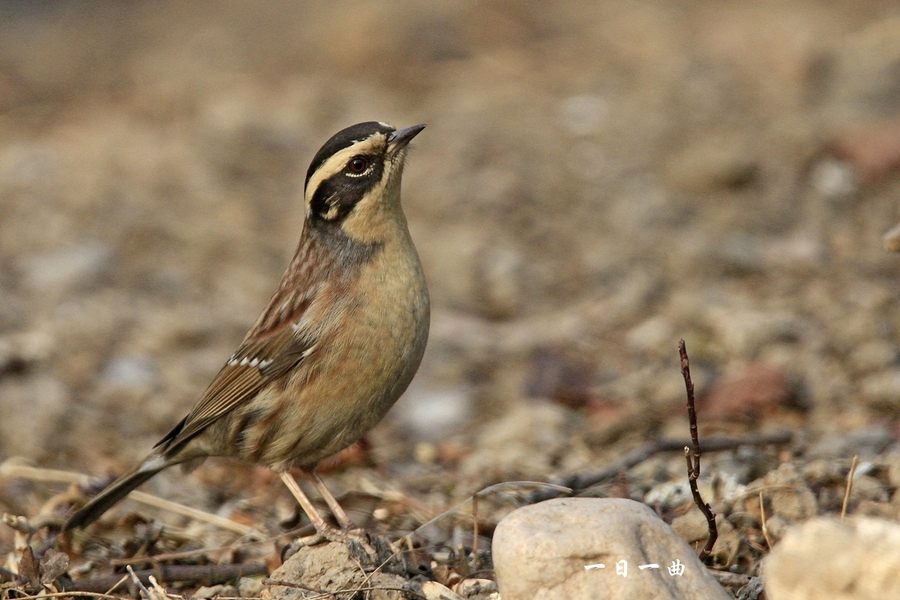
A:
(357, 541)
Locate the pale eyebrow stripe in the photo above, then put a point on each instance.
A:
(336, 163)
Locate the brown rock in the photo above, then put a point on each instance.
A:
(753, 391)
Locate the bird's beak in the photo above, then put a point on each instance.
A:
(400, 138)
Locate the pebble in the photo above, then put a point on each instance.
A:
(670, 494)
(746, 331)
(498, 280)
(868, 488)
(694, 529)
(130, 372)
(874, 355)
(710, 165)
(653, 335)
(214, 591)
(891, 239)
(553, 550)
(880, 389)
(476, 587)
(29, 410)
(787, 493)
(65, 267)
(432, 590)
(755, 389)
(869, 441)
(834, 179)
(583, 114)
(525, 441)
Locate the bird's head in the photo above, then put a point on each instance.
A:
(356, 175)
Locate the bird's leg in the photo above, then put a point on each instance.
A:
(338, 512)
(324, 531)
(314, 517)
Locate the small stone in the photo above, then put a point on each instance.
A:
(873, 151)
(130, 372)
(880, 510)
(880, 389)
(31, 432)
(21, 350)
(213, 591)
(875, 355)
(852, 559)
(498, 280)
(76, 265)
(787, 493)
(746, 332)
(583, 114)
(469, 588)
(556, 374)
(712, 164)
(555, 549)
(795, 504)
(834, 179)
(891, 239)
(753, 391)
(870, 441)
(430, 409)
(866, 487)
(426, 453)
(776, 528)
(652, 335)
(250, 587)
(432, 590)
(525, 441)
(693, 528)
(894, 472)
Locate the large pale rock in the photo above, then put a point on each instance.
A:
(854, 559)
(553, 550)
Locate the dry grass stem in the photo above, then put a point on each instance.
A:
(849, 487)
(762, 518)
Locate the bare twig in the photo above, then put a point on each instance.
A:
(581, 481)
(475, 562)
(730, 579)
(208, 552)
(69, 595)
(118, 583)
(493, 489)
(194, 574)
(849, 487)
(692, 454)
(349, 591)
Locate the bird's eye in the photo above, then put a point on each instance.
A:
(357, 165)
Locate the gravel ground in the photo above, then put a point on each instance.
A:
(597, 180)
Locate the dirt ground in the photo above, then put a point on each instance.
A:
(597, 180)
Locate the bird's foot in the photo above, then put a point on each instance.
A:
(357, 540)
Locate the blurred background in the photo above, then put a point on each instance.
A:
(597, 180)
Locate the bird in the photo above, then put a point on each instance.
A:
(338, 343)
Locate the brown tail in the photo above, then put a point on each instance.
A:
(115, 491)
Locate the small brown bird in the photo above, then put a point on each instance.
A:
(338, 343)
